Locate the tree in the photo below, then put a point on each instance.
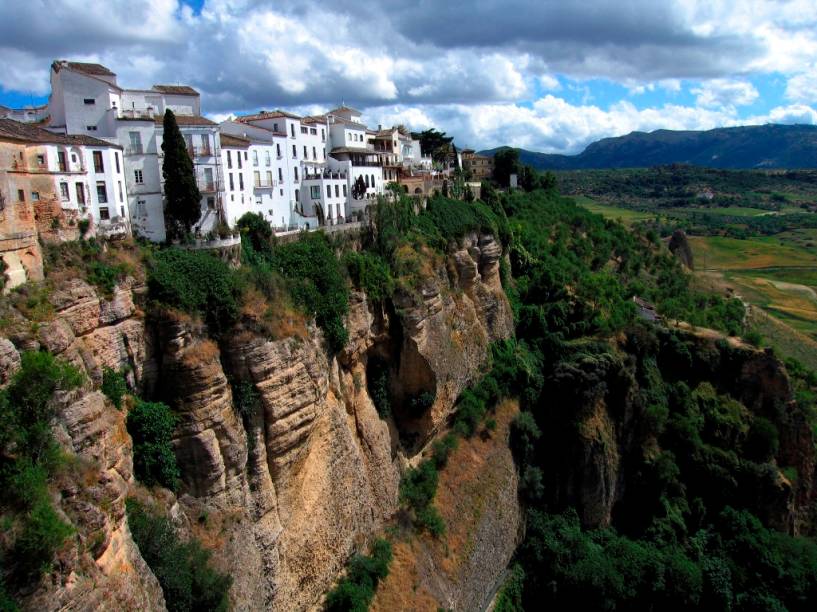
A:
(506, 162)
(182, 195)
(359, 188)
(434, 143)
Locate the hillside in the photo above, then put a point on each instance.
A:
(761, 146)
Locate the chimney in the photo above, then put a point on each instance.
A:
(379, 127)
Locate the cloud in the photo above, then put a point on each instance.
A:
(803, 86)
(487, 72)
(725, 93)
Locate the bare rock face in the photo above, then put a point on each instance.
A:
(101, 569)
(446, 333)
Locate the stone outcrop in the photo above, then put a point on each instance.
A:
(446, 332)
(287, 469)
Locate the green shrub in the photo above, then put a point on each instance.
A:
(509, 598)
(104, 276)
(183, 568)
(198, 283)
(114, 385)
(42, 535)
(356, 590)
(377, 379)
(83, 225)
(151, 424)
(256, 234)
(370, 273)
(316, 283)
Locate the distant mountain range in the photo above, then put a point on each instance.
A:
(757, 146)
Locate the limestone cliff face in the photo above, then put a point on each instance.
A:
(591, 468)
(287, 468)
(446, 333)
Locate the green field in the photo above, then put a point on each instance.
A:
(612, 212)
(723, 211)
(721, 253)
(773, 272)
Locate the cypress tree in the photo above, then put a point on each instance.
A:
(182, 195)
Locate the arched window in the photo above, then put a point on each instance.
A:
(366, 178)
(372, 180)
(297, 195)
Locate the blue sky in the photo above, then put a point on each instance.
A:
(547, 75)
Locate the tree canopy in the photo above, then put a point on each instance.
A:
(182, 195)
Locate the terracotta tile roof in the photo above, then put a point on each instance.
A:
(266, 115)
(314, 119)
(94, 69)
(181, 90)
(228, 140)
(187, 120)
(346, 109)
(385, 133)
(359, 150)
(29, 133)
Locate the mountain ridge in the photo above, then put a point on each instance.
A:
(756, 146)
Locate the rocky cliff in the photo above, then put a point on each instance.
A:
(286, 466)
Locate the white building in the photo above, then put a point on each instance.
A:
(87, 100)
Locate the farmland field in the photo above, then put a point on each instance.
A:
(624, 215)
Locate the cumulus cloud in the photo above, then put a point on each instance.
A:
(479, 71)
(725, 93)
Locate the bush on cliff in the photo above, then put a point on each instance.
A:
(198, 283)
(151, 424)
(183, 569)
(356, 590)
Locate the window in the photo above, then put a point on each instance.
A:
(90, 128)
(313, 131)
(64, 191)
(232, 184)
(238, 158)
(372, 181)
(135, 147)
(304, 129)
(122, 210)
(269, 178)
(73, 157)
(281, 191)
(137, 177)
(101, 192)
(80, 189)
(89, 101)
(292, 129)
(41, 160)
(35, 196)
(344, 191)
(245, 155)
(104, 215)
(323, 135)
(337, 190)
(116, 158)
(256, 176)
(315, 192)
(280, 175)
(337, 209)
(61, 161)
(211, 203)
(98, 165)
(241, 181)
(366, 178)
(140, 208)
(278, 149)
(208, 179)
(274, 127)
(329, 191)
(294, 152)
(296, 174)
(314, 153)
(119, 188)
(255, 158)
(21, 195)
(267, 160)
(306, 153)
(229, 159)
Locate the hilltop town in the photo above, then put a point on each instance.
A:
(90, 162)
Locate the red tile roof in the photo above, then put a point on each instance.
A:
(93, 69)
(181, 90)
(187, 120)
(266, 115)
(29, 133)
(228, 140)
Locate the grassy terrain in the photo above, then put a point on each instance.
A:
(624, 215)
(721, 253)
(725, 211)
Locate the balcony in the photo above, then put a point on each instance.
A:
(135, 150)
(264, 185)
(209, 186)
(199, 152)
(327, 174)
(145, 115)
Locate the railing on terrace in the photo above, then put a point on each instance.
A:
(134, 150)
(199, 151)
